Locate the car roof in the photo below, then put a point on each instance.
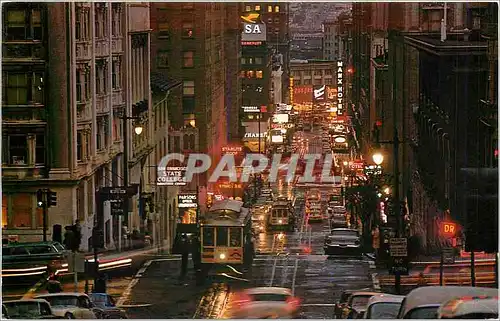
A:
(429, 295)
(30, 244)
(343, 229)
(47, 295)
(384, 297)
(26, 300)
(364, 293)
(458, 307)
(269, 290)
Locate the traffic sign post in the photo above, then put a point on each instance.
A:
(447, 257)
(398, 249)
(76, 264)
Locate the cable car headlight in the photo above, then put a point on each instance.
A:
(222, 256)
(280, 221)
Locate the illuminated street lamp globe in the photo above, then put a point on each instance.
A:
(378, 158)
(138, 129)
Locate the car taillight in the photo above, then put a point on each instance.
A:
(242, 299)
(293, 301)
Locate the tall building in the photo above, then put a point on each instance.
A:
(330, 40)
(70, 72)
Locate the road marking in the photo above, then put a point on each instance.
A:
(294, 275)
(145, 305)
(376, 283)
(318, 305)
(137, 276)
(274, 271)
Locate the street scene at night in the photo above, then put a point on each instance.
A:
(251, 160)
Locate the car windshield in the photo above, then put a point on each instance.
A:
(384, 310)
(343, 233)
(360, 300)
(270, 297)
(62, 300)
(423, 313)
(27, 309)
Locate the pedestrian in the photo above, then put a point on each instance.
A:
(184, 254)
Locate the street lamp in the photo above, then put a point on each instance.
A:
(138, 129)
(378, 158)
(387, 190)
(345, 163)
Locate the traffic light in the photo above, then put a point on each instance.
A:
(52, 198)
(39, 198)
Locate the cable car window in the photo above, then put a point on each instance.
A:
(222, 236)
(208, 236)
(235, 236)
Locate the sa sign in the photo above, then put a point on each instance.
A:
(253, 28)
(448, 229)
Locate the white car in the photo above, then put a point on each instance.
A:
(70, 305)
(265, 302)
(383, 306)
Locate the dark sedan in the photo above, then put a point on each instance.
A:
(343, 241)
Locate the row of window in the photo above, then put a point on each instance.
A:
(163, 57)
(23, 24)
(251, 74)
(258, 8)
(326, 72)
(187, 29)
(101, 26)
(251, 60)
(325, 81)
(222, 236)
(23, 88)
(83, 91)
(20, 211)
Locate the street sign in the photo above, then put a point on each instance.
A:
(76, 262)
(448, 255)
(400, 265)
(398, 247)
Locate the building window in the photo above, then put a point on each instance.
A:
(40, 149)
(23, 24)
(115, 73)
(318, 82)
(328, 81)
(276, 8)
(188, 59)
(242, 74)
(117, 126)
(243, 61)
(17, 89)
(98, 24)
(116, 19)
(86, 84)
(317, 73)
(162, 59)
(258, 74)
(307, 81)
(258, 61)
(257, 8)
(248, 8)
(188, 88)
(269, 8)
(163, 30)
(100, 78)
(79, 146)
(100, 134)
(15, 149)
(82, 22)
(187, 30)
(5, 210)
(250, 74)
(277, 20)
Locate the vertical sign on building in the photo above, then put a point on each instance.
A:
(340, 89)
(291, 90)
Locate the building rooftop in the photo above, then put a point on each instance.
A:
(455, 43)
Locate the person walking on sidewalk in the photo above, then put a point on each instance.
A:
(184, 254)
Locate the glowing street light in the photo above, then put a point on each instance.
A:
(138, 129)
(378, 158)
(387, 190)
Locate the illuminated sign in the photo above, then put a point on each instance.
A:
(279, 126)
(230, 185)
(172, 176)
(255, 135)
(319, 93)
(331, 93)
(254, 109)
(291, 90)
(277, 139)
(448, 229)
(253, 28)
(303, 94)
(251, 43)
(232, 150)
(356, 165)
(340, 89)
(339, 139)
(188, 200)
(280, 118)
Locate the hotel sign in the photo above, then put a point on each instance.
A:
(340, 89)
(253, 28)
(291, 90)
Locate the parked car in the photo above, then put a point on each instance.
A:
(424, 302)
(342, 302)
(5, 314)
(28, 255)
(105, 307)
(28, 309)
(469, 308)
(70, 305)
(265, 302)
(343, 241)
(356, 304)
(383, 306)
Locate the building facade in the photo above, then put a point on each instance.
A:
(313, 72)
(330, 40)
(69, 136)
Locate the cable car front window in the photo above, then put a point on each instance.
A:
(208, 236)
(235, 236)
(222, 239)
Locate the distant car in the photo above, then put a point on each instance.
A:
(70, 305)
(469, 308)
(105, 307)
(343, 241)
(265, 302)
(28, 309)
(383, 306)
(338, 221)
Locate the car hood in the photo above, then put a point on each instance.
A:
(60, 310)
